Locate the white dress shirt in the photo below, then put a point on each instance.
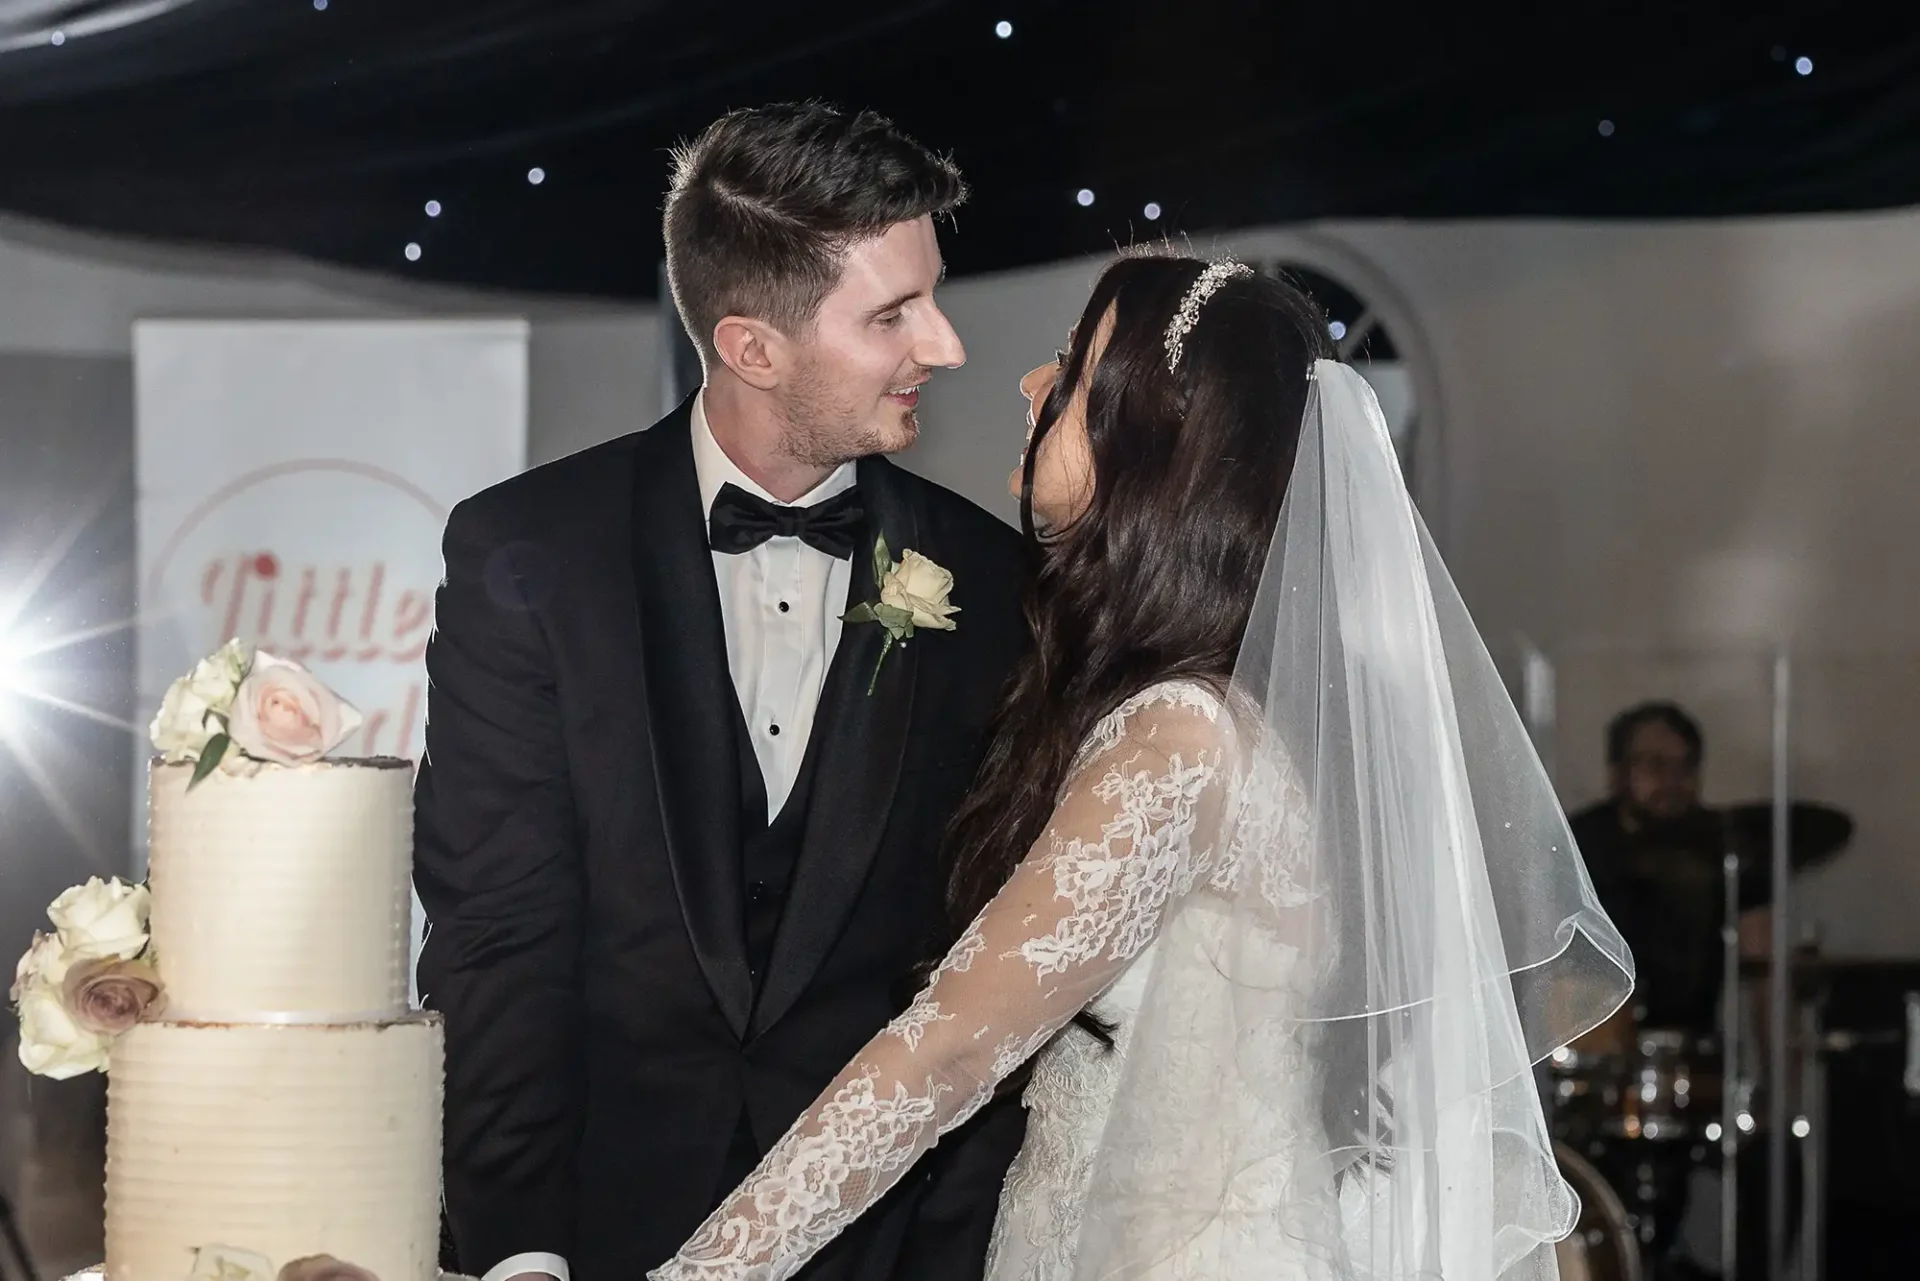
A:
(780, 605)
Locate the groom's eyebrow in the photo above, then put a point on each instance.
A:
(894, 304)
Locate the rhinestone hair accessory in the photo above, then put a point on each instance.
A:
(1216, 275)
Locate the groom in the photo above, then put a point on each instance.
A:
(679, 859)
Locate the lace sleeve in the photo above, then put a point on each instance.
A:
(1087, 899)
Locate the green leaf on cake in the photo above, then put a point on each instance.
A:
(209, 758)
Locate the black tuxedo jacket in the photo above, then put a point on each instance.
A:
(578, 835)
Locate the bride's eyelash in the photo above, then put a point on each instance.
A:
(1060, 359)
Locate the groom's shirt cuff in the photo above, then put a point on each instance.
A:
(551, 1264)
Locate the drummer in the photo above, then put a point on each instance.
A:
(1654, 852)
(1656, 857)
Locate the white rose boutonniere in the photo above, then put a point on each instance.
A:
(914, 594)
(921, 588)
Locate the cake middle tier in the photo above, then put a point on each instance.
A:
(282, 896)
(285, 1142)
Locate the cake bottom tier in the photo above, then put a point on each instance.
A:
(284, 1141)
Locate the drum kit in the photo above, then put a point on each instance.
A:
(1638, 1109)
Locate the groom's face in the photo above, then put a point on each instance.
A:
(855, 386)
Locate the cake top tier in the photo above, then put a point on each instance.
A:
(281, 896)
(278, 895)
(242, 708)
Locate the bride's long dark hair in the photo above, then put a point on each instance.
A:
(1157, 578)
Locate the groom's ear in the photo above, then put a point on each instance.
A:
(754, 350)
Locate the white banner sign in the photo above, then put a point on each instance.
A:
(293, 480)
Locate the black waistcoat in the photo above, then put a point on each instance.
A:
(769, 851)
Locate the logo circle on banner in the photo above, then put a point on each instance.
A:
(329, 562)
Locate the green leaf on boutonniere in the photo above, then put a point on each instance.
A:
(897, 621)
(882, 561)
(862, 613)
(209, 758)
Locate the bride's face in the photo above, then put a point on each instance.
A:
(1063, 472)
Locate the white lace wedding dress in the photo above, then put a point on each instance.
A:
(1078, 923)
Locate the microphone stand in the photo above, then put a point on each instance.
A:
(1782, 976)
(1730, 1061)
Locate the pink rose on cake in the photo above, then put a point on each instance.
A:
(241, 708)
(324, 1267)
(282, 713)
(109, 997)
(226, 1263)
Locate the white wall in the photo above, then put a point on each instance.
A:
(1664, 452)
(592, 366)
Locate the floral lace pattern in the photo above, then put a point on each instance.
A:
(1081, 909)
(912, 1026)
(1045, 1202)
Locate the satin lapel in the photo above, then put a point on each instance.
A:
(691, 707)
(858, 741)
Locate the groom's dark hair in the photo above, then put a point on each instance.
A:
(766, 202)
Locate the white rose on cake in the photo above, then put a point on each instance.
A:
(52, 1042)
(44, 962)
(195, 706)
(102, 920)
(218, 675)
(283, 713)
(185, 723)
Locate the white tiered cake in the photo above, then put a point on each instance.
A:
(288, 1104)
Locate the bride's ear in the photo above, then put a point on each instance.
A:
(754, 350)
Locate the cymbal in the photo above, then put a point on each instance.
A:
(1803, 961)
(1815, 832)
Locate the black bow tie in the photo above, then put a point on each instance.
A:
(741, 522)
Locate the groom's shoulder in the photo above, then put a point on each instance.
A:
(582, 484)
(959, 520)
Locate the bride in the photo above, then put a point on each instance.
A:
(1261, 871)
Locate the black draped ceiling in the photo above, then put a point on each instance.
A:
(324, 127)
